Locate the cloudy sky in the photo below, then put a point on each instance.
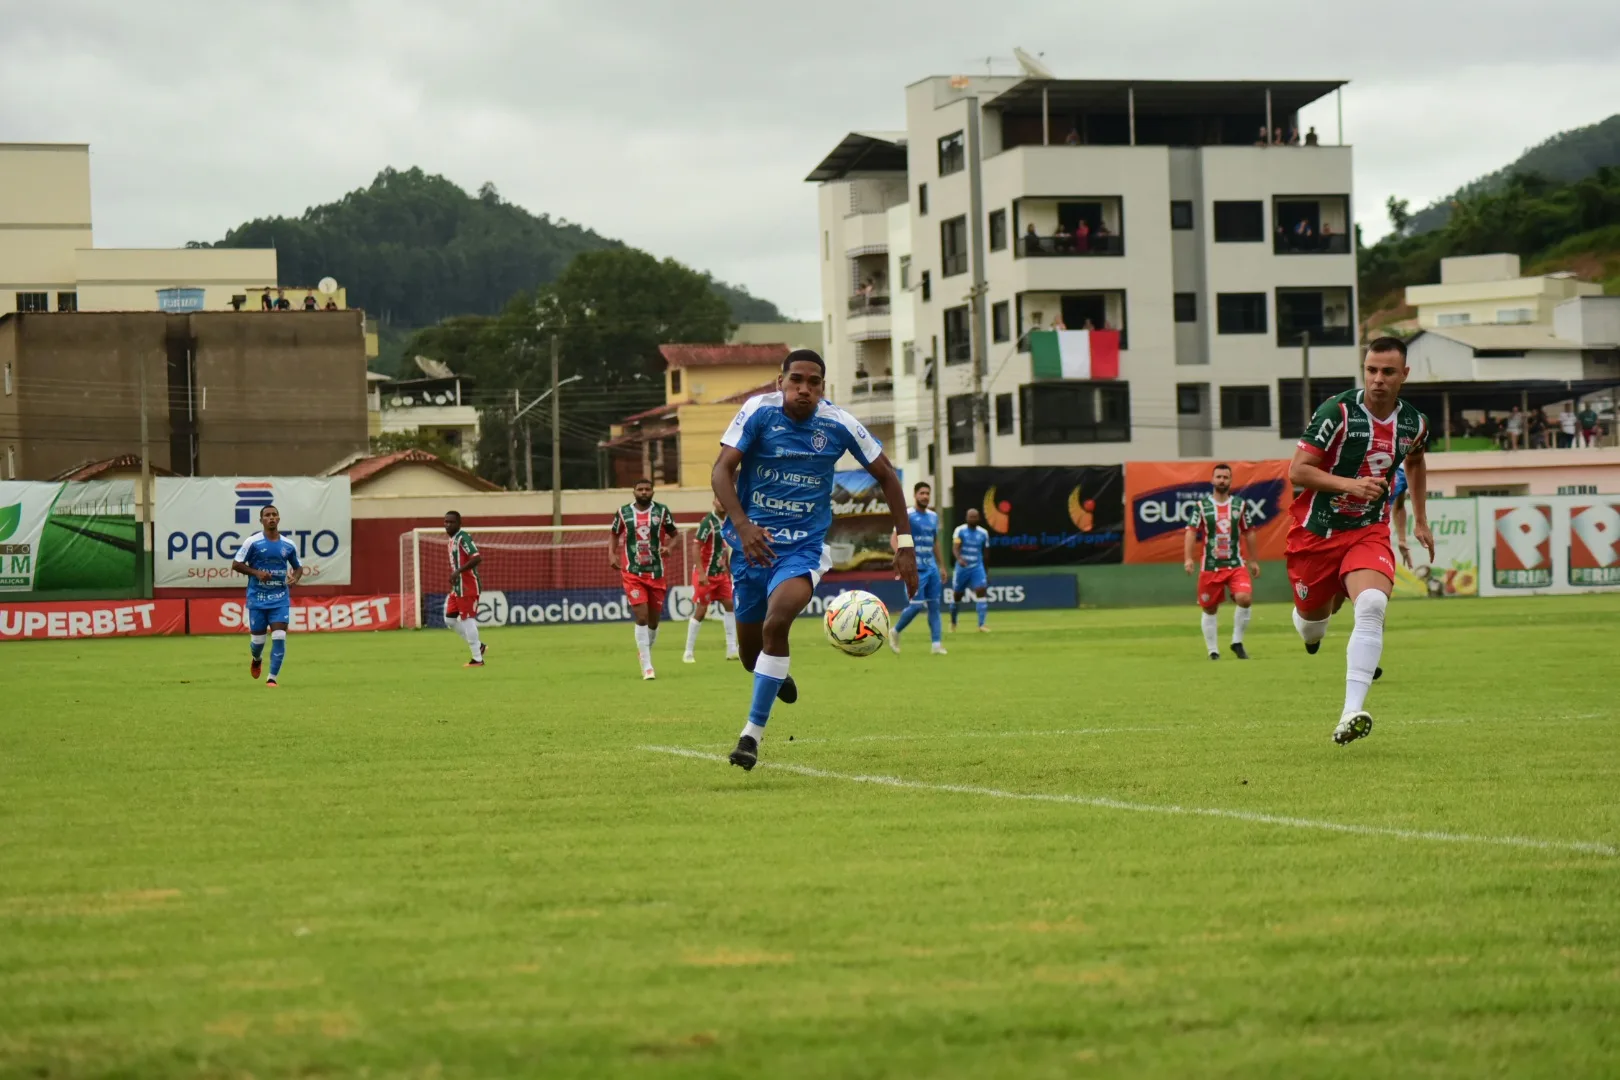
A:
(687, 128)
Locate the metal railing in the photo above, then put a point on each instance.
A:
(872, 388)
(1288, 243)
(868, 305)
(1068, 245)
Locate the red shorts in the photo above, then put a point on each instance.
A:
(1213, 585)
(464, 606)
(1317, 565)
(718, 588)
(644, 589)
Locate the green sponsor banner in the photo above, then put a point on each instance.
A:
(62, 536)
(1455, 570)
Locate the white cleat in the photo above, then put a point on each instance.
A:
(732, 656)
(938, 649)
(1353, 726)
(648, 675)
(984, 629)
(894, 642)
(688, 658)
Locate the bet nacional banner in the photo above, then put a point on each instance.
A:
(859, 536)
(202, 520)
(1160, 497)
(1046, 515)
(1455, 569)
(1539, 544)
(58, 536)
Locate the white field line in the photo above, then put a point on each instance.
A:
(1104, 803)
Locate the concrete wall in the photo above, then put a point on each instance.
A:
(414, 481)
(1487, 302)
(127, 279)
(707, 384)
(44, 218)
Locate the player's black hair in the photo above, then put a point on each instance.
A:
(453, 513)
(804, 354)
(643, 480)
(269, 506)
(1218, 468)
(1388, 344)
(919, 485)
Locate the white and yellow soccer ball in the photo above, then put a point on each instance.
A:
(857, 623)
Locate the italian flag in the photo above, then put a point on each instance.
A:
(1074, 354)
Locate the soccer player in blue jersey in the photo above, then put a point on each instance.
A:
(968, 546)
(271, 563)
(930, 591)
(774, 478)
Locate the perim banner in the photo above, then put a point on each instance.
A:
(1046, 515)
(1161, 496)
(1594, 544)
(1552, 544)
(202, 521)
(1455, 569)
(1521, 556)
(59, 536)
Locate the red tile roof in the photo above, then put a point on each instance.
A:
(681, 356)
(89, 470)
(366, 468)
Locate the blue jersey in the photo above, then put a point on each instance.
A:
(972, 540)
(924, 529)
(785, 481)
(276, 556)
(1400, 484)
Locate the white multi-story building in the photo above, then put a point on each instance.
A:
(944, 245)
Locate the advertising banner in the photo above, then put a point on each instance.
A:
(309, 614)
(202, 520)
(56, 536)
(1046, 515)
(1455, 570)
(1160, 496)
(1030, 592)
(1551, 544)
(91, 619)
(859, 536)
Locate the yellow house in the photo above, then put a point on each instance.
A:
(1486, 290)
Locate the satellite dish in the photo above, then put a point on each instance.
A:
(327, 285)
(1032, 67)
(441, 399)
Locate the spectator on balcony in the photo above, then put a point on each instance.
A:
(1264, 139)
(1082, 237)
(265, 303)
(1101, 235)
(1277, 138)
(1515, 429)
(1588, 419)
(1303, 235)
(331, 303)
(1567, 427)
(1311, 139)
(1293, 136)
(310, 303)
(1537, 433)
(1032, 242)
(1327, 236)
(1072, 138)
(282, 303)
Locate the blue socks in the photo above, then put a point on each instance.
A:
(935, 629)
(769, 674)
(257, 642)
(912, 610)
(984, 609)
(278, 651)
(954, 606)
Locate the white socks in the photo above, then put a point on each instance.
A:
(1240, 623)
(730, 620)
(469, 634)
(1310, 632)
(1210, 625)
(693, 625)
(644, 646)
(1366, 646)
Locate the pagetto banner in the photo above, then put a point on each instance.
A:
(202, 521)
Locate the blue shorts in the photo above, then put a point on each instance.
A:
(262, 616)
(969, 577)
(929, 585)
(752, 586)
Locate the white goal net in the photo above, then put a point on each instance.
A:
(529, 574)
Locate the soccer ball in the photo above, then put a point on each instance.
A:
(857, 623)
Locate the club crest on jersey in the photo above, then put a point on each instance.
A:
(1302, 590)
(818, 441)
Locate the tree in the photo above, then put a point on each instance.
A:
(1399, 214)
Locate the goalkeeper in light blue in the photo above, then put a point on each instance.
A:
(929, 595)
(968, 548)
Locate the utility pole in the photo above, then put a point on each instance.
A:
(981, 404)
(556, 432)
(939, 443)
(148, 532)
(528, 457)
(1305, 382)
(511, 437)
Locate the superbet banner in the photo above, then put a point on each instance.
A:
(1160, 497)
(70, 619)
(1551, 544)
(308, 614)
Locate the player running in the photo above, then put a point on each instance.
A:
(273, 567)
(1339, 546)
(774, 477)
(970, 544)
(642, 531)
(461, 608)
(1221, 522)
(711, 584)
(930, 590)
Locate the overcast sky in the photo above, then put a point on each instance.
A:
(687, 127)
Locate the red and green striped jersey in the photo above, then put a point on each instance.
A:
(644, 532)
(1221, 525)
(1353, 443)
(462, 548)
(713, 552)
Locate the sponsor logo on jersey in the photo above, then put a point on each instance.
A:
(766, 474)
(790, 506)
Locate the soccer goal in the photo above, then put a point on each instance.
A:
(529, 573)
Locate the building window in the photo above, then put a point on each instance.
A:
(908, 361)
(1190, 399)
(1516, 315)
(1004, 414)
(1458, 318)
(1245, 406)
(922, 200)
(998, 230)
(959, 423)
(905, 271)
(69, 301)
(1186, 307)
(1181, 214)
(1075, 412)
(958, 331)
(911, 444)
(1291, 414)
(953, 246)
(952, 154)
(33, 301)
(675, 381)
(1001, 321)
(1240, 313)
(1240, 222)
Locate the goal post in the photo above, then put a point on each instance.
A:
(530, 574)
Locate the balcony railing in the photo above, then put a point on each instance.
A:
(868, 305)
(1290, 335)
(1063, 245)
(872, 388)
(1288, 243)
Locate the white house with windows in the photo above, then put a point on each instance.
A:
(1012, 204)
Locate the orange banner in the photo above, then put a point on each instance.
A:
(1160, 495)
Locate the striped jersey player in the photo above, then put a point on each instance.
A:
(711, 584)
(461, 607)
(642, 530)
(1222, 524)
(1339, 545)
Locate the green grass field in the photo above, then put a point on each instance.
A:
(1073, 847)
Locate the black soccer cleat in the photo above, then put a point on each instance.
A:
(1239, 651)
(1312, 646)
(788, 692)
(1214, 656)
(746, 754)
(1378, 673)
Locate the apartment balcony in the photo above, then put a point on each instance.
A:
(868, 305)
(872, 388)
(868, 318)
(1311, 225)
(1097, 309)
(866, 234)
(1069, 246)
(1325, 314)
(1078, 226)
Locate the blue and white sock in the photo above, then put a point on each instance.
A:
(769, 674)
(278, 651)
(935, 629)
(984, 609)
(913, 609)
(257, 642)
